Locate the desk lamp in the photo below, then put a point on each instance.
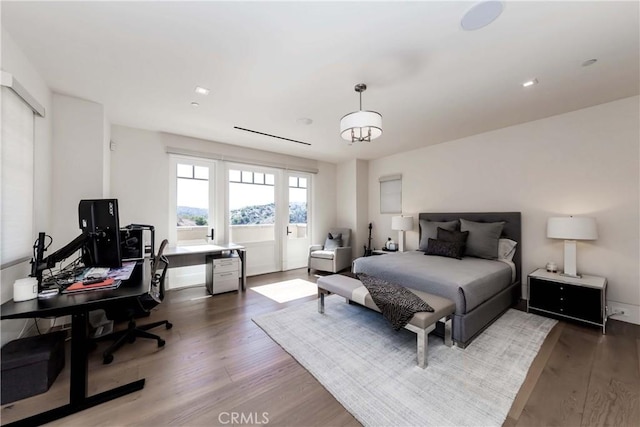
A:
(401, 224)
(571, 229)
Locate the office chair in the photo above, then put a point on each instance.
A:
(140, 308)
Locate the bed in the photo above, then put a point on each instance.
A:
(482, 289)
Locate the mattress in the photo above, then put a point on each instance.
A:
(468, 281)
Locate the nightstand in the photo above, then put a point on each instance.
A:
(582, 299)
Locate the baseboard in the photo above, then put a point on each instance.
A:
(631, 312)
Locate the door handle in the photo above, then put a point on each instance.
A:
(212, 235)
(289, 232)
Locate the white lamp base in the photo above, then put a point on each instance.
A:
(400, 241)
(570, 259)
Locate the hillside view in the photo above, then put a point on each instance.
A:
(256, 214)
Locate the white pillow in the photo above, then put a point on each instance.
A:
(506, 249)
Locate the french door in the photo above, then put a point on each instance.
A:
(266, 210)
(296, 241)
(253, 214)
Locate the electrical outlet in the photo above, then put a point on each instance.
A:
(616, 310)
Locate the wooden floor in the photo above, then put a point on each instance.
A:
(217, 363)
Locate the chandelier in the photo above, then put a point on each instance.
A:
(361, 126)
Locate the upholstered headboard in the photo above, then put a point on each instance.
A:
(512, 228)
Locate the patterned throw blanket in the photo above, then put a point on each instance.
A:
(397, 303)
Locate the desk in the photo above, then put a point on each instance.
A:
(182, 256)
(78, 307)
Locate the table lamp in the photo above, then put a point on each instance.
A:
(401, 224)
(571, 229)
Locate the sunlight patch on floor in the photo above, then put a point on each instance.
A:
(287, 290)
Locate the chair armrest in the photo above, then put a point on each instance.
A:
(343, 257)
(315, 248)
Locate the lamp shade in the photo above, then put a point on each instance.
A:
(402, 223)
(572, 228)
(361, 125)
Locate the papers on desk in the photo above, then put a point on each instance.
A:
(96, 273)
(124, 272)
(105, 284)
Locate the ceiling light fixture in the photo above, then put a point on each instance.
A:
(361, 126)
(529, 83)
(202, 90)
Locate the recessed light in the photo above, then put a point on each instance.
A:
(530, 83)
(589, 62)
(304, 121)
(195, 104)
(481, 14)
(202, 90)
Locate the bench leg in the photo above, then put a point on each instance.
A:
(422, 339)
(321, 302)
(321, 294)
(448, 341)
(423, 343)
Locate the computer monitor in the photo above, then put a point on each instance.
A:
(99, 222)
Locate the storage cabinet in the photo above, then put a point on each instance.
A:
(580, 299)
(222, 274)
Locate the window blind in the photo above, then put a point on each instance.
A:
(391, 194)
(16, 161)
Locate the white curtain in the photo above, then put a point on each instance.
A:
(16, 163)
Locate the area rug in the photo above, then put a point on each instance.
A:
(287, 290)
(371, 370)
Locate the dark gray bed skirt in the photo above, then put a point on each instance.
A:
(470, 325)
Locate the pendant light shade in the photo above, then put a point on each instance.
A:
(361, 126)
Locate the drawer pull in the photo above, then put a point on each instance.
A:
(561, 299)
(562, 309)
(561, 288)
(226, 274)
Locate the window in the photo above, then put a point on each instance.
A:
(17, 234)
(251, 198)
(192, 194)
(298, 200)
(391, 194)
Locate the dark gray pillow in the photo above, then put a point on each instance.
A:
(483, 238)
(429, 230)
(453, 236)
(333, 242)
(444, 248)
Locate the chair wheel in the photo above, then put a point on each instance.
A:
(169, 325)
(161, 343)
(107, 359)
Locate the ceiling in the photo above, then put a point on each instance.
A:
(269, 64)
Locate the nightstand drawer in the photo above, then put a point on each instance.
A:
(583, 303)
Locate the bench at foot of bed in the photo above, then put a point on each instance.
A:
(421, 323)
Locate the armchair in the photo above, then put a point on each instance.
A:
(333, 260)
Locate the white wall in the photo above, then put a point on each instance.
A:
(15, 63)
(324, 202)
(346, 200)
(79, 161)
(362, 216)
(581, 163)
